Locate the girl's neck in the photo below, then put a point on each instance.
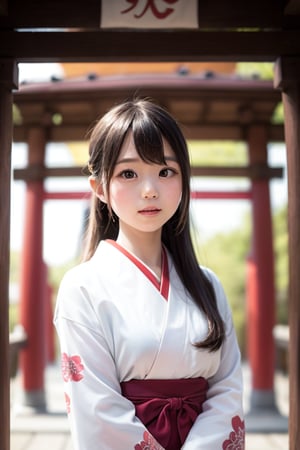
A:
(147, 248)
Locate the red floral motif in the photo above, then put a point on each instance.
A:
(236, 439)
(71, 367)
(149, 443)
(68, 403)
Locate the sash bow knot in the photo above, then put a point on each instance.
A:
(167, 408)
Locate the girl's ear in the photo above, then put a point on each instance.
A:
(98, 188)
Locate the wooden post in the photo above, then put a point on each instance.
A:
(33, 279)
(8, 81)
(261, 284)
(287, 78)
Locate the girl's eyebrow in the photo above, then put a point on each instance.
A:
(171, 158)
(127, 160)
(135, 160)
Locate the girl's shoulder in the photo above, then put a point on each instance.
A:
(82, 290)
(97, 265)
(210, 274)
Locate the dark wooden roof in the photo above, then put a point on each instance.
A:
(208, 106)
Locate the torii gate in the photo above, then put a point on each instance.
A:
(230, 108)
(226, 31)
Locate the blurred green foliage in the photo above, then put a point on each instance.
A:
(216, 153)
(259, 70)
(226, 255)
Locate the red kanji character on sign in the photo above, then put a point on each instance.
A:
(150, 4)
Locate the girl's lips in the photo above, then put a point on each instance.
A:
(149, 211)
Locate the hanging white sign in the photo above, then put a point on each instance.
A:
(149, 14)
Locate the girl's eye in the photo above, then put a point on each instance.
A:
(166, 172)
(128, 174)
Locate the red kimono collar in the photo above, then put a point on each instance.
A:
(163, 285)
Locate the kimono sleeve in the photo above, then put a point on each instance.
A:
(99, 416)
(221, 426)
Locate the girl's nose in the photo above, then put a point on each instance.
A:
(150, 195)
(149, 191)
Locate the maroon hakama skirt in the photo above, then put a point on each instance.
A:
(167, 408)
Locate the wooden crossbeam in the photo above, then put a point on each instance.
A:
(191, 45)
(70, 14)
(259, 171)
(195, 195)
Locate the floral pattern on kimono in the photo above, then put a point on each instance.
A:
(236, 439)
(71, 367)
(148, 443)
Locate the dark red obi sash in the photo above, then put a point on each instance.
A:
(167, 408)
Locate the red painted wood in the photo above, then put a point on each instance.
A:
(261, 284)
(221, 195)
(33, 274)
(195, 195)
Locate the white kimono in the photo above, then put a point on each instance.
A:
(115, 325)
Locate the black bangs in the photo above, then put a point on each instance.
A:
(148, 139)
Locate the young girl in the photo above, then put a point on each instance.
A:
(149, 354)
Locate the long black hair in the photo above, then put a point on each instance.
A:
(150, 124)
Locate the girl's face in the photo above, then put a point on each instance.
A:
(144, 196)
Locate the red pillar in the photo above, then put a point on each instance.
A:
(33, 279)
(260, 281)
